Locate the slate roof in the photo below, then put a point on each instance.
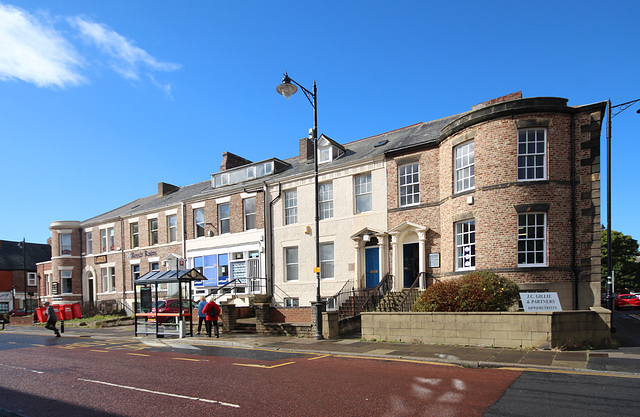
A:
(11, 256)
(363, 149)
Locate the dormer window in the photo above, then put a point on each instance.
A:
(328, 150)
(324, 155)
(247, 172)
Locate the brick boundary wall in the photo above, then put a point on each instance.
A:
(562, 330)
(291, 315)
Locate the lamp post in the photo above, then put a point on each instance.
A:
(23, 246)
(287, 89)
(622, 107)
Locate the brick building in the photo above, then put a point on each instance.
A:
(510, 186)
(18, 268)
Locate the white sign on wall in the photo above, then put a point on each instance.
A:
(540, 301)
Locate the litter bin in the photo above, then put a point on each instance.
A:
(42, 318)
(58, 310)
(77, 310)
(67, 311)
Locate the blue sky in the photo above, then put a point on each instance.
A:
(101, 100)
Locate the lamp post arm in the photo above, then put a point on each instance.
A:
(624, 106)
(310, 96)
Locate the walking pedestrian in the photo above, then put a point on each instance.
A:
(212, 312)
(51, 318)
(201, 316)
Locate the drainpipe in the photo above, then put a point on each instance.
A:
(574, 272)
(269, 240)
(184, 232)
(123, 262)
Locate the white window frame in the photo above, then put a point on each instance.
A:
(107, 239)
(327, 261)
(325, 200)
(154, 237)
(291, 265)
(362, 190)
(135, 271)
(325, 154)
(532, 239)
(32, 279)
(291, 207)
(134, 229)
(532, 154)
(224, 223)
(48, 277)
(172, 228)
(198, 222)
(465, 245)
(291, 302)
(409, 184)
(250, 216)
(108, 276)
(88, 236)
(464, 166)
(66, 277)
(65, 244)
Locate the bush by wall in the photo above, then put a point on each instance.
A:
(476, 291)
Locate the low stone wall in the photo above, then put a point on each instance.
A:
(288, 329)
(564, 329)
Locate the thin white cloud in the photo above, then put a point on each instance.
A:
(126, 59)
(32, 51)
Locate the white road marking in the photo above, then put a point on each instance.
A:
(186, 397)
(21, 368)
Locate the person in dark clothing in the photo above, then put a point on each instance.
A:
(212, 311)
(51, 318)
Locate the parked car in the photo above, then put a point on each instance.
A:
(171, 305)
(20, 312)
(627, 301)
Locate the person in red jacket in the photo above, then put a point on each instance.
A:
(212, 311)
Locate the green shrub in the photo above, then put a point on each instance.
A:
(476, 291)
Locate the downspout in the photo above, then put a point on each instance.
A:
(269, 242)
(184, 232)
(82, 261)
(123, 262)
(573, 216)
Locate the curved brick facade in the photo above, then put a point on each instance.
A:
(568, 196)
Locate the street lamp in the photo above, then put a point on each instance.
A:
(287, 89)
(23, 246)
(623, 107)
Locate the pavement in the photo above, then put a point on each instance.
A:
(623, 359)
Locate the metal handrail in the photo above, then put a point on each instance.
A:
(253, 288)
(378, 294)
(410, 294)
(338, 298)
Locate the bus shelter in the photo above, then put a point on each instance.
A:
(164, 302)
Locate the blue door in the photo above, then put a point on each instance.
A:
(372, 266)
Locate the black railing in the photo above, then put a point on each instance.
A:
(338, 299)
(243, 286)
(411, 295)
(101, 307)
(378, 294)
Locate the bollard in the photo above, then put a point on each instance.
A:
(61, 326)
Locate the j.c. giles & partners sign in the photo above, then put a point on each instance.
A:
(141, 254)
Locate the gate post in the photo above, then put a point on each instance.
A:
(228, 317)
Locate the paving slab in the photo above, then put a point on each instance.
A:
(544, 358)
